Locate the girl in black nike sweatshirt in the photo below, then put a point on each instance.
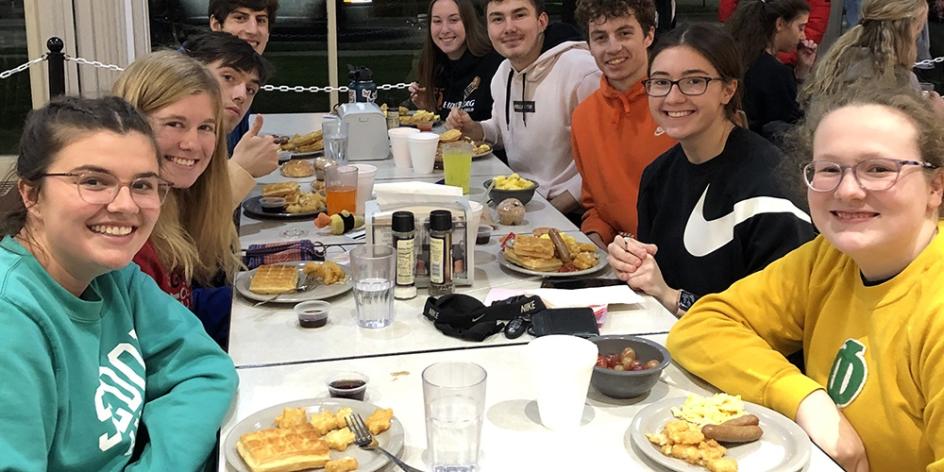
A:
(713, 208)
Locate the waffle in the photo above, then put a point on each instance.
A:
(539, 264)
(345, 464)
(273, 279)
(283, 189)
(531, 246)
(283, 449)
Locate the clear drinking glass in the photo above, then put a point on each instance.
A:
(335, 139)
(372, 268)
(454, 399)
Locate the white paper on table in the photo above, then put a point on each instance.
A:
(562, 298)
(415, 192)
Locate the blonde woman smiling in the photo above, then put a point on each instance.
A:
(194, 243)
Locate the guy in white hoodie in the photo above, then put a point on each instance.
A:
(535, 91)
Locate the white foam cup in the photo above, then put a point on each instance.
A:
(400, 146)
(561, 367)
(365, 184)
(423, 151)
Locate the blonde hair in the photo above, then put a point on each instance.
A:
(195, 232)
(883, 40)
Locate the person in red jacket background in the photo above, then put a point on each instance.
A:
(815, 26)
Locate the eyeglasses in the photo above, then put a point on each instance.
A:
(874, 175)
(687, 85)
(101, 188)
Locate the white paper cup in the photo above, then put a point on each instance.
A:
(423, 151)
(476, 218)
(400, 146)
(365, 184)
(561, 367)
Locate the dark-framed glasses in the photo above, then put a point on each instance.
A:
(101, 188)
(873, 175)
(687, 85)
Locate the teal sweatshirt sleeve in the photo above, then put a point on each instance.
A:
(190, 380)
(28, 400)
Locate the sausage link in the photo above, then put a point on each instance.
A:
(562, 252)
(732, 434)
(743, 420)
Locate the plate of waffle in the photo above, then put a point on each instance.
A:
(697, 434)
(302, 145)
(298, 204)
(547, 252)
(311, 434)
(283, 279)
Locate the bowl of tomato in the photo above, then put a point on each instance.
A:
(627, 366)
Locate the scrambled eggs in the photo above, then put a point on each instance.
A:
(715, 409)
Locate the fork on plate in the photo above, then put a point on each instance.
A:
(365, 440)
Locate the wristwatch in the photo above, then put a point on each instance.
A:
(686, 300)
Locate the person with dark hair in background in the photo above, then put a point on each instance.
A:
(863, 301)
(614, 136)
(818, 26)
(93, 352)
(546, 74)
(712, 209)
(240, 72)
(761, 29)
(457, 62)
(250, 21)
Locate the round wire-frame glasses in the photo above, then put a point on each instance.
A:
(101, 188)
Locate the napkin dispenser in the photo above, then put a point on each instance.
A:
(379, 231)
(366, 131)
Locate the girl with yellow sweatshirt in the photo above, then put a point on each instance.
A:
(864, 300)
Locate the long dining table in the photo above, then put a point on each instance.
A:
(278, 361)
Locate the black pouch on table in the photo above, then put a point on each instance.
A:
(574, 321)
(465, 317)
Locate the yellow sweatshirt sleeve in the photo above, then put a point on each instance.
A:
(738, 339)
(241, 182)
(926, 350)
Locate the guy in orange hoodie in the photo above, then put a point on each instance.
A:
(614, 137)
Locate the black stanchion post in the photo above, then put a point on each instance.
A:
(56, 63)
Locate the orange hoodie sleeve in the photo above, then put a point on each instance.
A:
(592, 222)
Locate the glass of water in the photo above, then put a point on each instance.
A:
(334, 132)
(454, 397)
(372, 268)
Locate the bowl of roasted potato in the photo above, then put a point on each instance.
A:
(511, 186)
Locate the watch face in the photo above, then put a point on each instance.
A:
(686, 300)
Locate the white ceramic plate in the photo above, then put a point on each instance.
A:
(785, 447)
(368, 461)
(601, 263)
(318, 292)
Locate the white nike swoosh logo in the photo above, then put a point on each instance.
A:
(702, 237)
